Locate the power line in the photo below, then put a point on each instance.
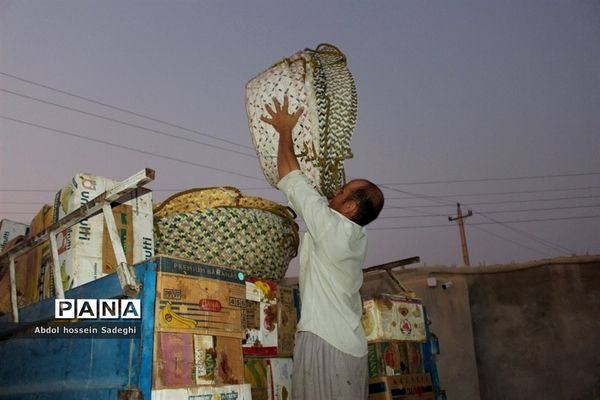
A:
(541, 209)
(126, 123)
(502, 193)
(489, 212)
(409, 216)
(124, 110)
(499, 202)
(435, 199)
(514, 178)
(129, 148)
(513, 241)
(483, 223)
(154, 190)
(527, 234)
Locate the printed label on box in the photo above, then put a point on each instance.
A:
(388, 317)
(199, 305)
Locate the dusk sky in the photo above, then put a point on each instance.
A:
(493, 104)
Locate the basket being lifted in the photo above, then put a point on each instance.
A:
(319, 81)
(221, 226)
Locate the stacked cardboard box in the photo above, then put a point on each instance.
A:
(393, 317)
(269, 378)
(270, 319)
(198, 331)
(29, 268)
(228, 392)
(10, 230)
(403, 387)
(85, 250)
(395, 358)
(395, 329)
(256, 374)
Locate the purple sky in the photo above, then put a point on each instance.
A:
(468, 91)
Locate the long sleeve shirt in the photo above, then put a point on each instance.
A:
(331, 260)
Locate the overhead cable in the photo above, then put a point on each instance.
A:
(124, 110)
(392, 228)
(525, 233)
(514, 242)
(62, 132)
(127, 123)
(514, 178)
(501, 193)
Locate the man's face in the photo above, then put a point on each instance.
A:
(341, 202)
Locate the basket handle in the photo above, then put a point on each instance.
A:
(164, 203)
(329, 49)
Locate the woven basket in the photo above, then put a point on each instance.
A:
(319, 81)
(220, 226)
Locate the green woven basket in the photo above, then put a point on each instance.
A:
(220, 226)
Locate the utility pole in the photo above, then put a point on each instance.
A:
(461, 227)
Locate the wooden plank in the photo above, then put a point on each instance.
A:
(13, 290)
(393, 264)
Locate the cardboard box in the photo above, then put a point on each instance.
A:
(256, 373)
(174, 363)
(32, 269)
(22, 283)
(229, 392)
(269, 378)
(414, 352)
(270, 319)
(199, 298)
(388, 359)
(404, 387)
(186, 360)
(280, 378)
(10, 230)
(85, 250)
(390, 317)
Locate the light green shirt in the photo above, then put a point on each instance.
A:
(331, 260)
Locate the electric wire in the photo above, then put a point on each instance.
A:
(490, 212)
(499, 202)
(62, 132)
(156, 131)
(541, 209)
(435, 199)
(503, 193)
(514, 178)
(391, 228)
(513, 242)
(527, 234)
(124, 110)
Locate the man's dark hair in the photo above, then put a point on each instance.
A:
(369, 199)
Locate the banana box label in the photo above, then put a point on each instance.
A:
(199, 305)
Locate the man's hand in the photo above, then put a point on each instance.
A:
(284, 123)
(281, 119)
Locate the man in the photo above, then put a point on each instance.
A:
(330, 356)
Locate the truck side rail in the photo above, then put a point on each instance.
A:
(100, 204)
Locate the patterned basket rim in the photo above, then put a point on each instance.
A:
(295, 230)
(275, 207)
(282, 211)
